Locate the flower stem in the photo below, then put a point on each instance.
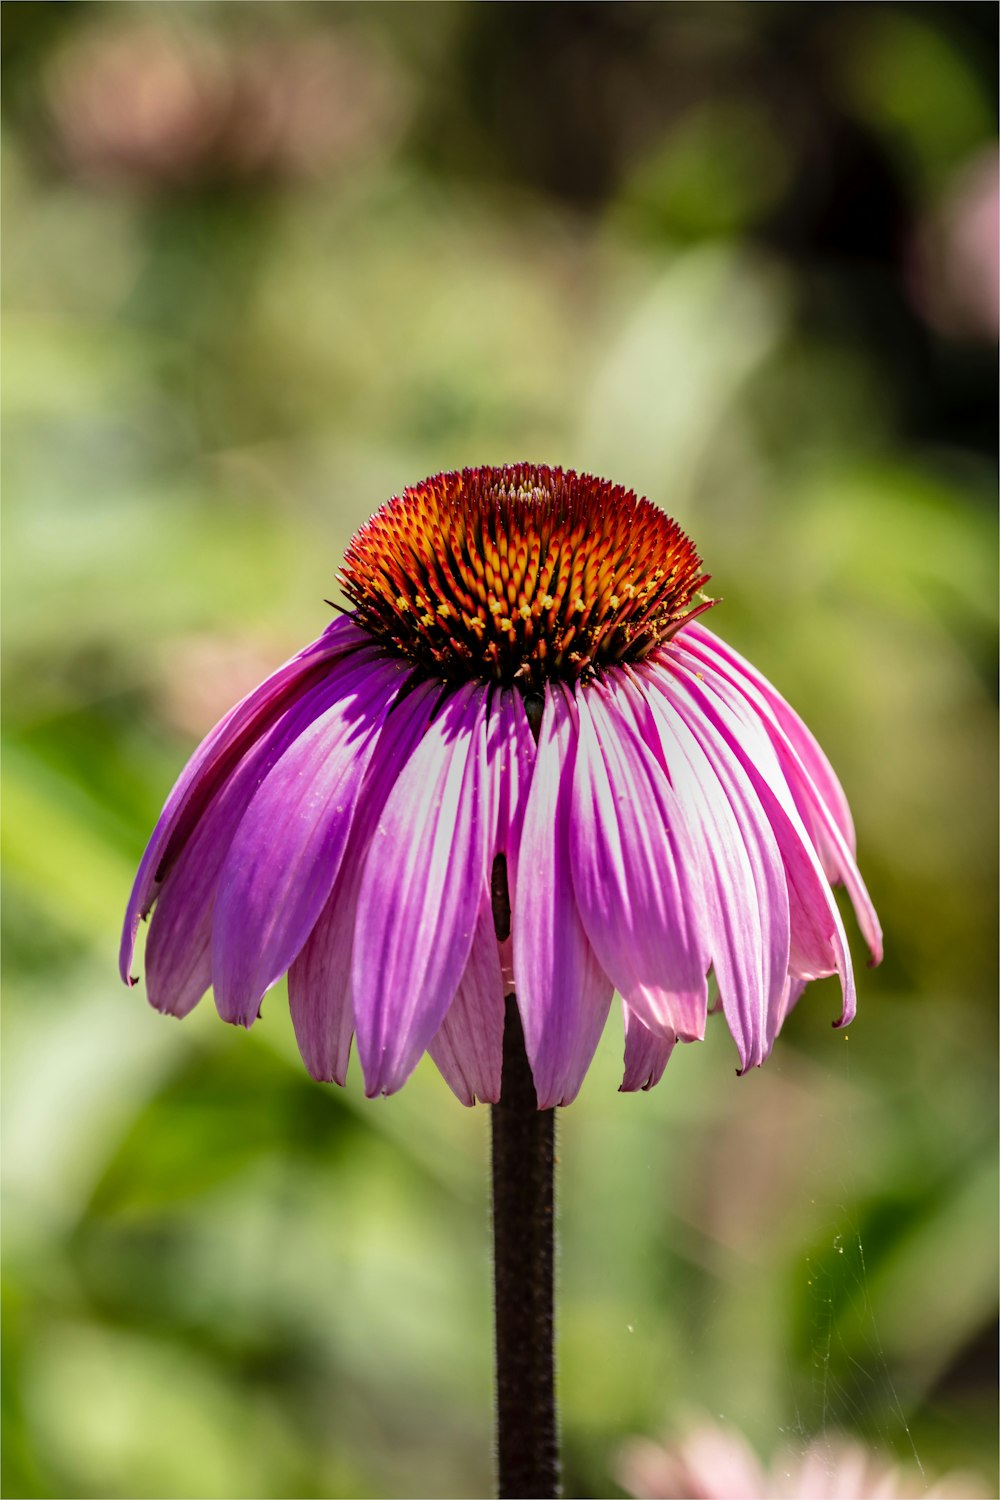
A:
(523, 1238)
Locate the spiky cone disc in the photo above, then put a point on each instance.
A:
(520, 575)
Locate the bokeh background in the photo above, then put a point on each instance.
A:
(265, 265)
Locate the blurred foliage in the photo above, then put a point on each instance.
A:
(265, 265)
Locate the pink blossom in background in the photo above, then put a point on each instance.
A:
(160, 101)
(955, 266)
(717, 1463)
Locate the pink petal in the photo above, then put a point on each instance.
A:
(510, 747)
(319, 981)
(646, 1054)
(178, 958)
(746, 910)
(635, 872)
(721, 1465)
(563, 994)
(741, 673)
(319, 986)
(820, 943)
(215, 759)
(806, 770)
(511, 754)
(468, 1047)
(423, 881)
(283, 861)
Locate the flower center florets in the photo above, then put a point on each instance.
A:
(521, 574)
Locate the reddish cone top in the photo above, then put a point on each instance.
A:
(521, 574)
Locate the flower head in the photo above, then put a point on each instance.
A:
(521, 714)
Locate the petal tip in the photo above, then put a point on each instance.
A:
(162, 1010)
(325, 1075)
(628, 1087)
(246, 1021)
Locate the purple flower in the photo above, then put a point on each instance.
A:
(520, 708)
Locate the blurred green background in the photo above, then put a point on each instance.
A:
(265, 265)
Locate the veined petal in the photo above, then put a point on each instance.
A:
(820, 943)
(319, 986)
(646, 1054)
(510, 753)
(810, 779)
(746, 896)
(178, 957)
(741, 673)
(468, 1047)
(284, 858)
(420, 893)
(215, 760)
(319, 981)
(511, 756)
(635, 872)
(563, 994)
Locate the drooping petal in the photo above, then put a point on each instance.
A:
(511, 756)
(319, 987)
(579, 1046)
(746, 897)
(811, 780)
(635, 872)
(819, 944)
(216, 758)
(646, 1054)
(468, 1047)
(741, 673)
(420, 893)
(285, 855)
(319, 981)
(563, 993)
(178, 957)
(751, 708)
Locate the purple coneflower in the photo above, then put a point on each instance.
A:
(523, 714)
(518, 767)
